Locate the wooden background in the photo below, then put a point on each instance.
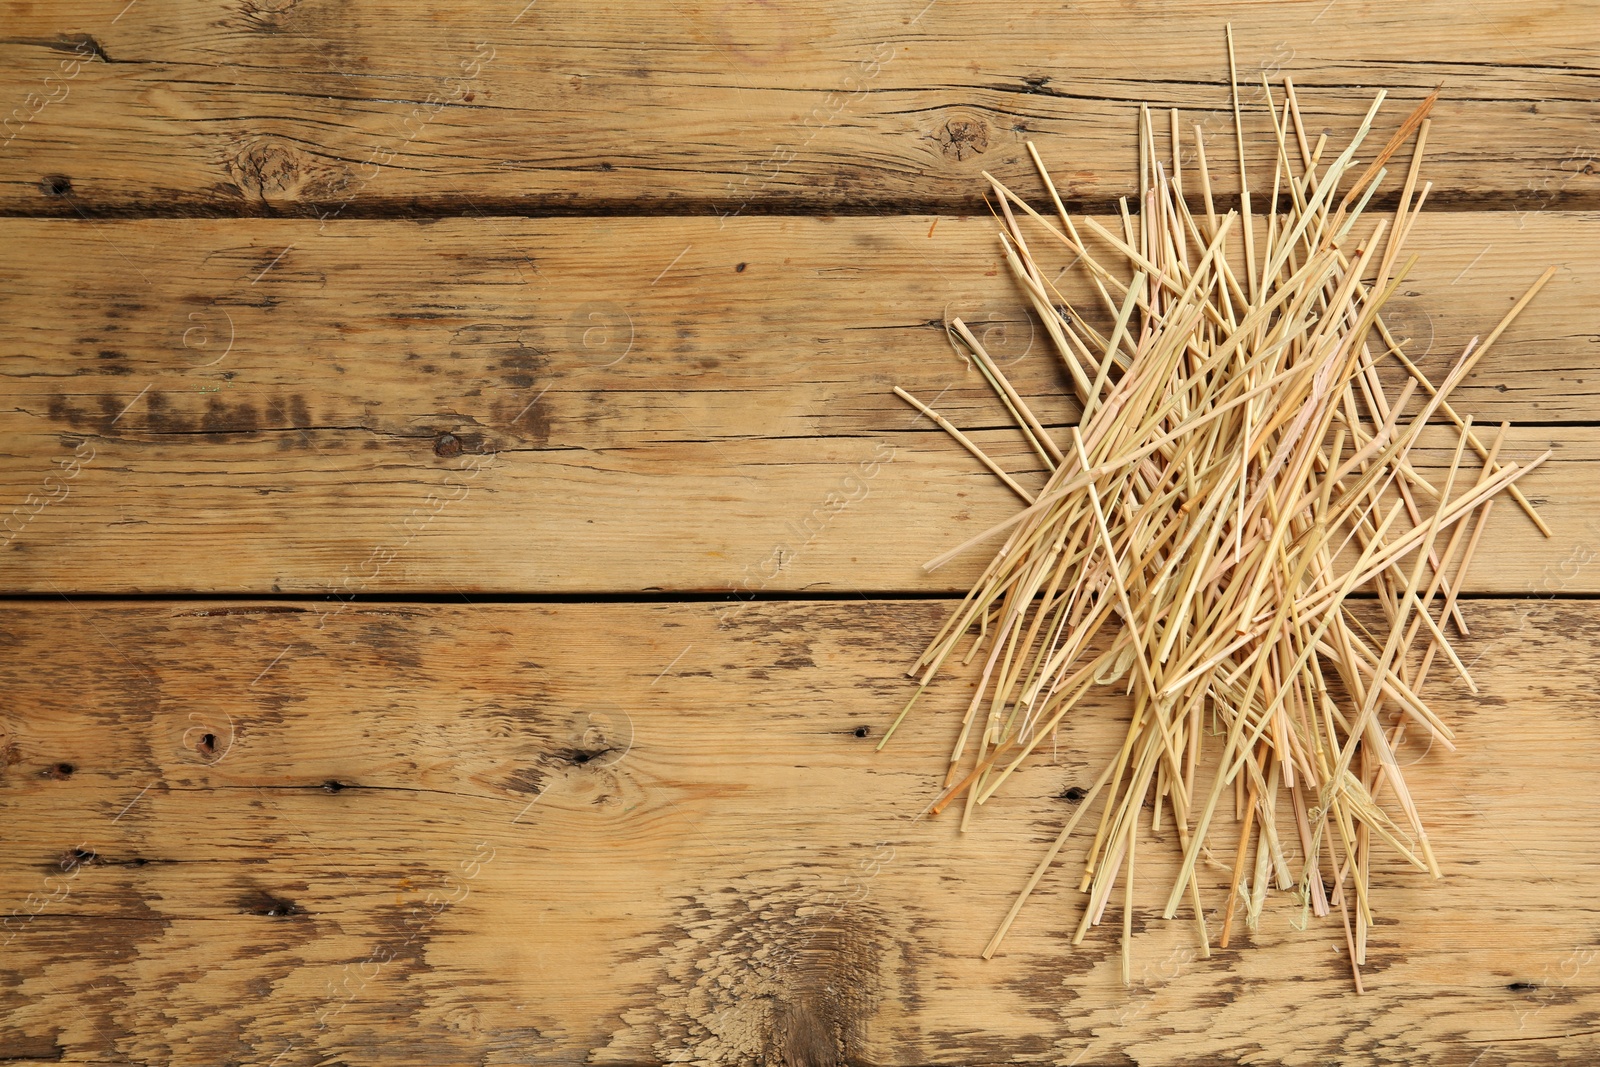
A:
(463, 549)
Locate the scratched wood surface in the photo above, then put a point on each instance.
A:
(659, 833)
(511, 406)
(275, 323)
(388, 106)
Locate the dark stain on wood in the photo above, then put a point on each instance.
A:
(525, 780)
(515, 357)
(520, 366)
(268, 904)
(393, 641)
(221, 419)
(110, 414)
(27, 1048)
(114, 362)
(531, 421)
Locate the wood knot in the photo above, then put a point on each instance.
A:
(267, 14)
(73, 858)
(266, 169)
(598, 736)
(782, 974)
(961, 139)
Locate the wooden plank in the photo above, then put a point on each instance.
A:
(635, 834)
(584, 405)
(383, 106)
(476, 316)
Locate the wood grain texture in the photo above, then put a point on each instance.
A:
(628, 834)
(316, 832)
(384, 106)
(275, 406)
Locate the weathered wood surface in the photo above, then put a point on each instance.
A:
(312, 832)
(383, 106)
(406, 834)
(275, 406)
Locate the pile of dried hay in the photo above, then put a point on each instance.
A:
(1239, 470)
